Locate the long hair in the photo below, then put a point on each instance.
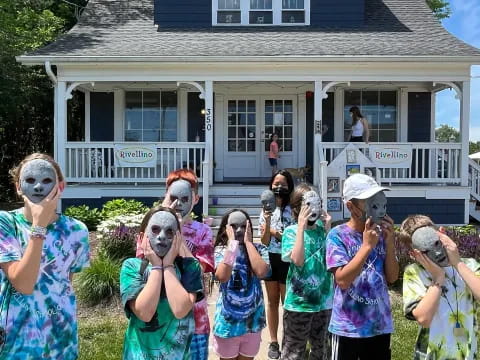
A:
(290, 184)
(222, 238)
(357, 115)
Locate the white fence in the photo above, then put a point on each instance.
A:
(431, 162)
(94, 162)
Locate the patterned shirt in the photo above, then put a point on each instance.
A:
(438, 341)
(164, 337)
(362, 310)
(42, 325)
(240, 308)
(309, 287)
(278, 221)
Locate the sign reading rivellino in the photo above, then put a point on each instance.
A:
(135, 155)
(396, 156)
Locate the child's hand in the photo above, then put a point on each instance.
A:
(174, 250)
(248, 233)
(148, 252)
(438, 274)
(230, 232)
(44, 211)
(303, 216)
(327, 220)
(370, 234)
(387, 228)
(451, 249)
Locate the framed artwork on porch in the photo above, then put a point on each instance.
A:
(352, 169)
(351, 156)
(333, 185)
(334, 204)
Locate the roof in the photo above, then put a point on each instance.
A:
(124, 29)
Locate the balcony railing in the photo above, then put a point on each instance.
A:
(94, 162)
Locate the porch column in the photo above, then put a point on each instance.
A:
(209, 127)
(317, 129)
(465, 131)
(61, 130)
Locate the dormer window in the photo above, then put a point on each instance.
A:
(260, 12)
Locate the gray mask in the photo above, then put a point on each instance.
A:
(238, 221)
(376, 207)
(181, 190)
(37, 179)
(160, 231)
(312, 200)
(268, 201)
(427, 241)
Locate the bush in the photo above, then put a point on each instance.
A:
(99, 282)
(117, 236)
(90, 217)
(117, 207)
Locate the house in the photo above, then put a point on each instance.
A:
(204, 83)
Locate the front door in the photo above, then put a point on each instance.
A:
(250, 123)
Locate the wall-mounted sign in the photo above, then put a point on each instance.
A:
(395, 156)
(135, 155)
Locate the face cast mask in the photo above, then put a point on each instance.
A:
(376, 207)
(238, 221)
(268, 201)
(311, 199)
(161, 230)
(37, 179)
(427, 241)
(181, 190)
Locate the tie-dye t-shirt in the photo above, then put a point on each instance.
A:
(240, 308)
(164, 337)
(362, 310)
(439, 341)
(309, 288)
(42, 325)
(278, 221)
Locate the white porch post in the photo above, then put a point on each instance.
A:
(209, 127)
(464, 130)
(61, 130)
(317, 124)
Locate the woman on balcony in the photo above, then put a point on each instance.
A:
(360, 131)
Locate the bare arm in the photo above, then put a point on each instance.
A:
(298, 251)
(265, 229)
(146, 303)
(180, 301)
(224, 269)
(391, 263)
(259, 266)
(366, 130)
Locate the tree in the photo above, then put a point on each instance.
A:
(447, 133)
(441, 8)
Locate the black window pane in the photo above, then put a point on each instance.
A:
(232, 145)
(261, 17)
(232, 119)
(169, 100)
(251, 106)
(250, 145)
(287, 145)
(269, 119)
(242, 119)
(232, 132)
(293, 17)
(229, 17)
(269, 106)
(251, 119)
(242, 145)
(242, 106)
(232, 106)
(242, 132)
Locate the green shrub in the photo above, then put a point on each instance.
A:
(117, 207)
(90, 217)
(99, 282)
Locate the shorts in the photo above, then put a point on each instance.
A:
(199, 347)
(273, 162)
(356, 139)
(375, 347)
(246, 345)
(279, 268)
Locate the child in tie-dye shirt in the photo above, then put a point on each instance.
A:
(39, 252)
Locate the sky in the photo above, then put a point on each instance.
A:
(464, 23)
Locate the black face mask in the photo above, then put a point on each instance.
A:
(280, 191)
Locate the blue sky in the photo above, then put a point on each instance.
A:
(464, 23)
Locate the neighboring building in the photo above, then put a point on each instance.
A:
(261, 67)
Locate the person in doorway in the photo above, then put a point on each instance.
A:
(361, 257)
(360, 131)
(40, 251)
(274, 153)
(441, 291)
(271, 226)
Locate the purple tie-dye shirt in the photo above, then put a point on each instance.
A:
(362, 310)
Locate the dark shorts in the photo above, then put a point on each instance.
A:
(375, 347)
(356, 139)
(273, 162)
(279, 268)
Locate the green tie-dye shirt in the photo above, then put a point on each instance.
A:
(309, 287)
(42, 325)
(164, 337)
(439, 342)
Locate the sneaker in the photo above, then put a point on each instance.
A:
(274, 351)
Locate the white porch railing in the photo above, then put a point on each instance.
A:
(474, 179)
(93, 162)
(431, 162)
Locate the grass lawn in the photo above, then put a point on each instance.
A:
(101, 338)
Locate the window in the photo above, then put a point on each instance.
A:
(261, 12)
(242, 121)
(279, 120)
(379, 108)
(151, 116)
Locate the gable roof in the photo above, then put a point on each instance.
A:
(124, 30)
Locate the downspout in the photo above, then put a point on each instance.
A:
(53, 79)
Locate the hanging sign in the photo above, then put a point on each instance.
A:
(135, 155)
(395, 156)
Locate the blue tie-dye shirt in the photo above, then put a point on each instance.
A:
(42, 325)
(240, 308)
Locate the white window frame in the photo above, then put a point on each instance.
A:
(277, 9)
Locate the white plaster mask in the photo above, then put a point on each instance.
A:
(160, 231)
(427, 241)
(37, 179)
(376, 207)
(181, 190)
(312, 200)
(268, 201)
(238, 221)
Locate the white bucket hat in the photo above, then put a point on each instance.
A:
(360, 186)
